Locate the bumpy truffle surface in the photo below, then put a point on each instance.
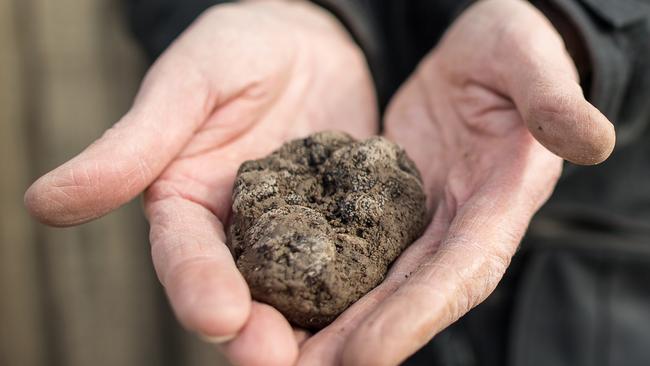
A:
(317, 223)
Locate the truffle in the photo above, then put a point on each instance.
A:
(317, 223)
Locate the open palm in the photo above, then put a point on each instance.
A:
(481, 117)
(471, 117)
(242, 80)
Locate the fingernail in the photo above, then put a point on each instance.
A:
(217, 339)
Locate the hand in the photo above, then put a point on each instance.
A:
(472, 117)
(239, 82)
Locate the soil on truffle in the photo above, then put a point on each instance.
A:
(317, 223)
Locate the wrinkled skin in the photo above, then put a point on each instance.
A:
(256, 74)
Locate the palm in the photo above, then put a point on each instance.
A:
(310, 80)
(205, 170)
(485, 176)
(473, 132)
(299, 82)
(478, 162)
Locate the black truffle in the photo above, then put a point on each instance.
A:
(317, 223)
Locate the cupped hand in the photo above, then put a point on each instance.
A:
(487, 117)
(242, 80)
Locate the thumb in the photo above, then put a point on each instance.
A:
(204, 75)
(124, 161)
(543, 82)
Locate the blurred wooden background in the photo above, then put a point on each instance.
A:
(85, 295)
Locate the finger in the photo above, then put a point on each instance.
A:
(325, 347)
(266, 339)
(463, 269)
(541, 77)
(205, 289)
(183, 88)
(431, 299)
(127, 157)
